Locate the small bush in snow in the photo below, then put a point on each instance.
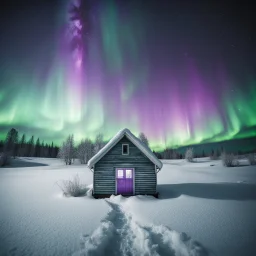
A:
(189, 155)
(73, 187)
(251, 159)
(4, 159)
(229, 160)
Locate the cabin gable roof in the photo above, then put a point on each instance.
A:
(125, 132)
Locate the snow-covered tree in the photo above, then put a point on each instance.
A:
(67, 150)
(85, 151)
(99, 143)
(189, 155)
(143, 138)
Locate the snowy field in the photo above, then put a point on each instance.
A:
(203, 209)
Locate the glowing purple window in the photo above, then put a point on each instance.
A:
(128, 174)
(120, 174)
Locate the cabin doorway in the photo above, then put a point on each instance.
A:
(125, 181)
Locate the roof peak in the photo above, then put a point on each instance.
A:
(136, 141)
(124, 130)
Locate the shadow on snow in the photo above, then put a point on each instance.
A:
(222, 191)
(18, 163)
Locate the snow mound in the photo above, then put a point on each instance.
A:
(89, 191)
(119, 234)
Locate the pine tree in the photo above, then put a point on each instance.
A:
(22, 145)
(37, 148)
(56, 151)
(42, 149)
(11, 142)
(1, 145)
(46, 150)
(31, 147)
(51, 153)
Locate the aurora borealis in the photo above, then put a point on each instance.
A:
(181, 74)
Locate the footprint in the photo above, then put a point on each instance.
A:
(119, 234)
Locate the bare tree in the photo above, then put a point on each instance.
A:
(31, 147)
(67, 150)
(85, 151)
(143, 139)
(99, 143)
(80, 152)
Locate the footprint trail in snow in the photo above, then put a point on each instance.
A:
(119, 234)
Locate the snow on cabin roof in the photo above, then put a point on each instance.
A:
(133, 139)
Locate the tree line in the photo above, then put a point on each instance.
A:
(170, 153)
(14, 146)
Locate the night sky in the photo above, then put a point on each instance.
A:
(182, 72)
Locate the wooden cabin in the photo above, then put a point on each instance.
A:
(124, 166)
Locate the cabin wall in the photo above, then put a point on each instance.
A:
(104, 170)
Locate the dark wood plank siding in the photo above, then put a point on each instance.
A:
(104, 171)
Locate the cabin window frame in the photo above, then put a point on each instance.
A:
(128, 150)
(118, 173)
(131, 173)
